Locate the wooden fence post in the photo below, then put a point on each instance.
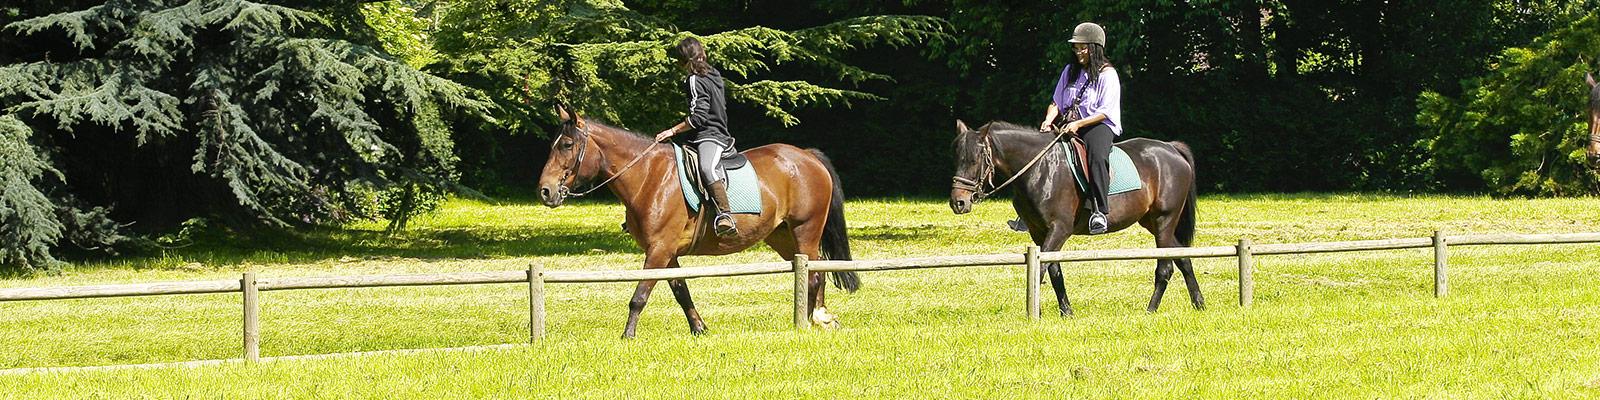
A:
(1033, 282)
(535, 302)
(1441, 257)
(802, 278)
(1247, 279)
(252, 317)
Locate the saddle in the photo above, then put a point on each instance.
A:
(731, 160)
(1123, 175)
(1080, 151)
(744, 187)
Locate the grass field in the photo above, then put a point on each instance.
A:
(1521, 321)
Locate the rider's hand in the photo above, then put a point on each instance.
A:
(1045, 126)
(664, 135)
(1072, 127)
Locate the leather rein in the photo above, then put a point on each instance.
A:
(986, 168)
(582, 141)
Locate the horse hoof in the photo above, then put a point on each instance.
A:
(821, 318)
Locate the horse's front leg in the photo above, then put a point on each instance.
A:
(1053, 239)
(641, 294)
(680, 291)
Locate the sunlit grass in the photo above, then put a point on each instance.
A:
(1521, 321)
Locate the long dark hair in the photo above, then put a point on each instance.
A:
(1097, 62)
(690, 52)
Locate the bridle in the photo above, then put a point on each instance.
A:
(985, 172)
(986, 168)
(582, 141)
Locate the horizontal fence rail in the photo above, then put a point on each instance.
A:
(133, 289)
(535, 278)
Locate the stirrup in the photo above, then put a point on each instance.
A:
(725, 226)
(1097, 223)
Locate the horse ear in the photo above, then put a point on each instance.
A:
(562, 112)
(1590, 78)
(961, 127)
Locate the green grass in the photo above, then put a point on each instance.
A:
(1521, 321)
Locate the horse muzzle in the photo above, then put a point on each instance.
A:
(553, 195)
(961, 201)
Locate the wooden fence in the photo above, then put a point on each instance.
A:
(250, 286)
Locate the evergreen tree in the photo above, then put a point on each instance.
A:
(1521, 128)
(602, 58)
(168, 110)
(28, 226)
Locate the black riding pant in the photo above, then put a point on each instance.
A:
(1098, 139)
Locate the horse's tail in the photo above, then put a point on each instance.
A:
(1186, 221)
(835, 240)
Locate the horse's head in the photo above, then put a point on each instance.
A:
(572, 160)
(974, 167)
(1594, 119)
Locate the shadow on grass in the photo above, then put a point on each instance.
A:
(897, 234)
(217, 248)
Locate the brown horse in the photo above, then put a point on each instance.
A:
(1047, 199)
(1594, 119)
(802, 207)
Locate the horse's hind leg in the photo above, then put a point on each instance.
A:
(1189, 281)
(1163, 274)
(1166, 239)
(806, 238)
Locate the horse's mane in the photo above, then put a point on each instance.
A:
(1007, 128)
(635, 136)
(1594, 98)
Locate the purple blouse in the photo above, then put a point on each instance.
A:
(1104, 97)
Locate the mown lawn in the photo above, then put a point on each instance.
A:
(1521, 321)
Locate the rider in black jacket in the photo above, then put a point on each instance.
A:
(708, 119)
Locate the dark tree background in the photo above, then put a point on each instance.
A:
(122, 120)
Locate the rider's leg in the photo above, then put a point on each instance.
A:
(1098, 140)
(717, 184)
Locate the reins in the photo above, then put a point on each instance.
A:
(565, 194)
(988, 169)
(988, 156)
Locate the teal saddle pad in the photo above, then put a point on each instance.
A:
(744, 190)
(1124, 176)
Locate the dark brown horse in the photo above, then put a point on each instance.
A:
(1594, 119)
(1047, 199)
(802, 206)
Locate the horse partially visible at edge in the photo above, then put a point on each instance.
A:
(802, 207)
(1594, 119)
(1048, 201)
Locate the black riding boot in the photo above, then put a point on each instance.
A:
(724, 222)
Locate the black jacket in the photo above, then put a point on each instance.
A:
(708, 109)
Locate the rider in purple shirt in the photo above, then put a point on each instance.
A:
(1090, 105)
